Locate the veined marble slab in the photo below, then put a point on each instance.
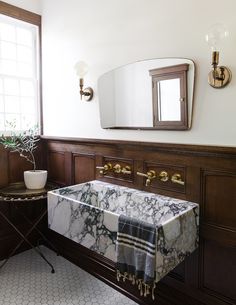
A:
(88, 214)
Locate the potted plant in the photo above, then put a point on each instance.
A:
(25, 144)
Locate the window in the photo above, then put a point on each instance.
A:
(19, 70)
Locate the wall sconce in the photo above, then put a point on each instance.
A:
(81, 69)
(220, 76)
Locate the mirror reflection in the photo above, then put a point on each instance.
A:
(168, 92)
(142, 95)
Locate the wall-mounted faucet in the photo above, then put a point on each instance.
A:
(149, 175)
(104, 169)
(163, 176)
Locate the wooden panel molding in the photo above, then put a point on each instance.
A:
(56, 167)
(219, 198)
(111, 175)
(19, 13)
(84, 167)
(171, 170)
(218, 271)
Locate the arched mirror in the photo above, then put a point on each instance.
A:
(150, 94)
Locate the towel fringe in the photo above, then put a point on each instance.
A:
(142, 286)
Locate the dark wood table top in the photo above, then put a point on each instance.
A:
(18, 192)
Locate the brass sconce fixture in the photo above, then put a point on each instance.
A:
(219, 76)
(81, 69)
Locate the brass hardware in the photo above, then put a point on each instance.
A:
(149, 175)
(104, 169)
(220, 76)
(163, 176)
(117, 168)
(176, 178)
(81, 69)
(126, 170)
(86, 92)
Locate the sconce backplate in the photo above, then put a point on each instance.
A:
(219, 83)
(88, 94)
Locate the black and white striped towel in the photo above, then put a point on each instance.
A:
(136, 249)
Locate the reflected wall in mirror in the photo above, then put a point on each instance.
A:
(147, 95)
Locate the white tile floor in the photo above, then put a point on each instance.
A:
(27, 280)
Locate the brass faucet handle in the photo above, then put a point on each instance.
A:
(142, 174)
(117, 168)
(163, 176)
(105, 168)
(149, 175)
(176, 178)
(126, 170)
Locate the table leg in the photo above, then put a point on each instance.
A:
(40, 233)
(24, 238)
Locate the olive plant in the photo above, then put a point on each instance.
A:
(24, 142)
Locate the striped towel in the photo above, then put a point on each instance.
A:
(136, 249)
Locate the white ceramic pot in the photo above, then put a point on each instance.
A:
(35, 180)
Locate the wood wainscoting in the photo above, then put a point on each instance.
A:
(208, 276)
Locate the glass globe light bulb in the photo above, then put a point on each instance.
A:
(81, 69)
(215, 36)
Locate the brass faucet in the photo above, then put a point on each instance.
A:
(104, 169)
(126, 170)
(149, 175)
(117, 169)
(176, 178)
(163, 176)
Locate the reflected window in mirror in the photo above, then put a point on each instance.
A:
(169, 96)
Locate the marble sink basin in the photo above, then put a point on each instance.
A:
(88, 214)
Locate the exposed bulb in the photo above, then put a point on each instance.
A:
(81, 69)
(215, 35)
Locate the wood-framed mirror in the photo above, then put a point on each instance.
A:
(127, 94)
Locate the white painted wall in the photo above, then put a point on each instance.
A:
(110, 33)
(30, 5)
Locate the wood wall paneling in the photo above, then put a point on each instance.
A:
(56, 167)
(17, 166)
(218, 271)
(171, 170)
(122, 162)
(3, 167)
(219, 198)
(12, 166)
(84, 167)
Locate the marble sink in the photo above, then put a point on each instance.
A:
(88, 214)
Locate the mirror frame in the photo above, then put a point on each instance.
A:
(166, 73)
